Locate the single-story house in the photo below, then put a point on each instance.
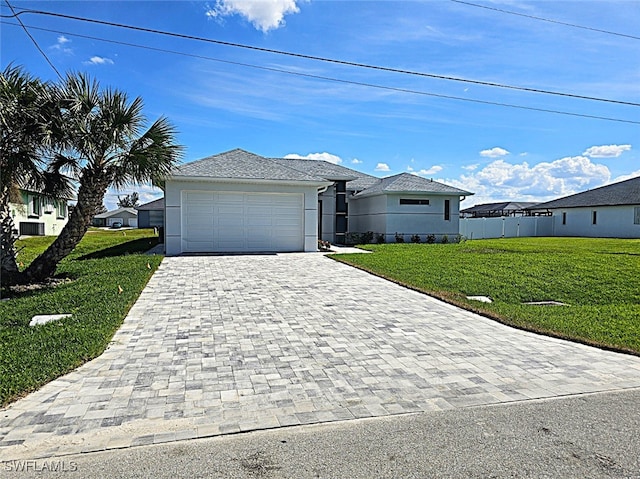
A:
(611, 211)
(239, 201)
(126, 216)
(36, 214)
(492, 210)
(151, 215)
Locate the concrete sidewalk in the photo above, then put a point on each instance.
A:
(223, 344)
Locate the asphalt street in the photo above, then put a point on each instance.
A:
(581, 436)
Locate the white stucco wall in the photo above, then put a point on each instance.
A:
(53, 224)
(611, 222)
(368, 214)
(328, 214)
(385, 214)
(173, 207)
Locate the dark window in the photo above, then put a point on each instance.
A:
(447, 210)
(341, 186)
(594, 217)
(564, 218)
(341, 203)
(636, 215)
(413, 201)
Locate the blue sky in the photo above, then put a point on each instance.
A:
(500, 153)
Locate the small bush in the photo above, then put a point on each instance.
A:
(352, 238)
(380, 238)
(431, 238)
(399, 238)
(415, 238)
(445, 239)
(367, 238)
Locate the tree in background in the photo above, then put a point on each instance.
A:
(30, 129)
(106, 145)
(129, 201)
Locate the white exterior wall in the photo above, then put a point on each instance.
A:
(328, 214)
(611, 222)
(53, 224)
(173, 208)
(385, 214)
(368, 214)
(506, 227)
(422, 219)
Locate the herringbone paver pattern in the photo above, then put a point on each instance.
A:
(220, 344)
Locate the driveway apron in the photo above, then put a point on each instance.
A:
(224, 344)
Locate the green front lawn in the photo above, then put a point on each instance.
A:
(104, 260)
(598, 278)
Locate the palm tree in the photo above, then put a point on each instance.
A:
(28, 130)
(105, 146)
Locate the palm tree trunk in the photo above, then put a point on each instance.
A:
(90, 195)
(8, 265)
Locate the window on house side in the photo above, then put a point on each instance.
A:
(636, 215)
(447, 210)
(413, 201)
(564, 217)
(61, 209)
(594, 217)
(34, 205)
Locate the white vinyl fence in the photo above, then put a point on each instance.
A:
(506, 227)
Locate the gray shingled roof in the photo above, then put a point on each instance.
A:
(152, 205)
(242, 165)
(109, 214)
(623, 193)
(408, 183)
(358, 180)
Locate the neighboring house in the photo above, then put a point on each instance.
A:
(611, 211)
(39, 215)
(239, 201)
(126, 216)
(151, 215)
(491, 210)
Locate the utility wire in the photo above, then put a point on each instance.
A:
(321, 59)
(558, 22)
(33, 39)
(337, 80)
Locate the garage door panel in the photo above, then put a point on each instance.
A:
(243, 221)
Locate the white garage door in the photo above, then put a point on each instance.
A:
(237, 222)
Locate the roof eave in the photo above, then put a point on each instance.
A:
(209, 179)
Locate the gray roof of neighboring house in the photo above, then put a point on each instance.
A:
(623, 193)
(356, 180)
(117, 212)
(152, 205)
(241, 165)
(503, 206)
(408, 183)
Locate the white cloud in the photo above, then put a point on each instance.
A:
(61, 45)
(317, 156)
(471, 167)
(495, 152)
(501, 180)
(356, 161)
(633, 174)
(96, 60)
(606, 151)
(264, 15)
(430, 171)
(382, 167)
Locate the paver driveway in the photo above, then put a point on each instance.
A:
(220, 344)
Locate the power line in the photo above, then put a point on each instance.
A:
(332, 79)
(558, 22)
(33, 39)
(322, 59)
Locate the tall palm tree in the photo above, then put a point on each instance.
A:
(28, 130)
(106, 145)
